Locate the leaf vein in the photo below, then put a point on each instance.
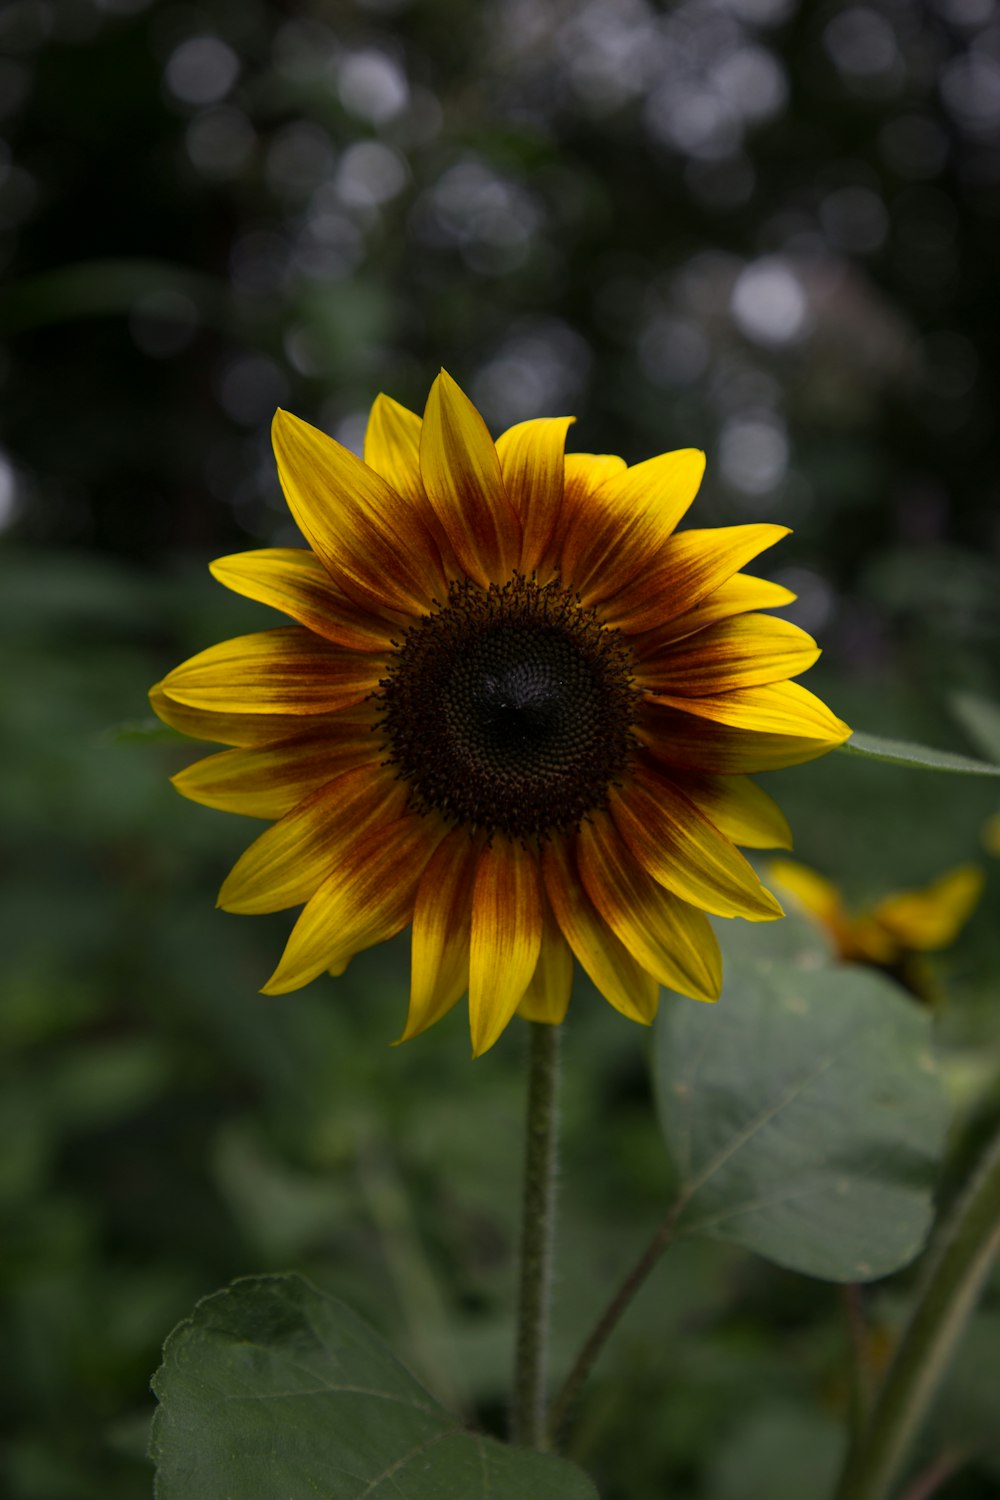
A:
(685, 1153)
(750, 1205)
(333, 1390)
(402, 1461)
(743, 1137)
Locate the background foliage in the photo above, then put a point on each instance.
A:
(762, 228)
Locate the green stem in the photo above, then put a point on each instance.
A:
(932, 1479)
(609, 1320)
(528, 1425)
(958, 1266)
(862, 1378)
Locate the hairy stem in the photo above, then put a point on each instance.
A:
(528, 1423)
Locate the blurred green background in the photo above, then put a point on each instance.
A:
(763, 228)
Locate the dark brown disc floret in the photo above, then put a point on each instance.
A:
(510, 708)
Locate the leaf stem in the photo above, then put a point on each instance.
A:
(609, 1320)
(958, 1266)
(528, 1424)
(861, 1373)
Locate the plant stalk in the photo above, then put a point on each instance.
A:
(609, 1320)
(862, 1375)
(528, 1422)
(932, 1479)
(958, 1266)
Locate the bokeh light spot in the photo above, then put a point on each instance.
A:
(769, 303)
(220, 142)
(370, 174)
(373, 87)
(861, 42)
(202, 70)
(753, 453)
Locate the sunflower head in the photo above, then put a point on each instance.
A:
(894, 934)
(510, 708)
(516, 711)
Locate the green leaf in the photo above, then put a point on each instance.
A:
(805, 1116)
(274, 1391)
(981, 721)
(903, 753)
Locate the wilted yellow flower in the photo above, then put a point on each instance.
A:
(517, 711)
(891, 934)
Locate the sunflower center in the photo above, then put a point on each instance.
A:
(509, 708)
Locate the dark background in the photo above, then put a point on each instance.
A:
(766, 229)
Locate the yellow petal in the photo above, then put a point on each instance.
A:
(626, 522)
(289, 861)
(532, 461)
(281, 672)
(737, 595)
(748, 651)
(233, 728)
(370, 539)
(461, 474)
(392, 447)
(366, 900)
(270, 781)
(665, 935)
(782, 708)
(586, 472)
(296, 582)
(932, 917)
(506, 937)
(808, 891)
(677, 845)
(442, 924)
(684, 741)
(547, 996)
(855, 940)
(741, 810)
(863, 940)
(687, 567)
(622, 981)
(583, 475)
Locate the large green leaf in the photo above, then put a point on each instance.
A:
(274, 1391)
(919, 757)
(805, 1116)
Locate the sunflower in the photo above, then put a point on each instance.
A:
(516, 711)
(894, 934)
